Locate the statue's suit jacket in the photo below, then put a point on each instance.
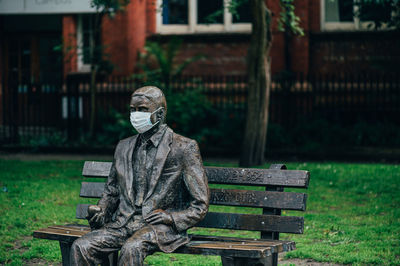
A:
(177, 184)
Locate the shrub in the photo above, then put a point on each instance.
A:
(54, 139)
(189, 114)
(315, 134)
(114, 127)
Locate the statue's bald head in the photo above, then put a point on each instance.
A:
(150, 99)
(152, 93)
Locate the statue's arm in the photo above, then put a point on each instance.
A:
(110, 196)
(100, 214)
(196, 183)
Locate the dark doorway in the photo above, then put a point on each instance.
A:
(32, 75)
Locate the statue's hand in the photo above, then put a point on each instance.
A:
(96, 216)
(159, 217)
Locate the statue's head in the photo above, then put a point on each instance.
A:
(149, 100)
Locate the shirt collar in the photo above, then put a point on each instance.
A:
(156, 137)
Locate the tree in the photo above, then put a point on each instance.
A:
(158, 62)
(259, 77)
(258, 71)
(98, 59)
(259, 83)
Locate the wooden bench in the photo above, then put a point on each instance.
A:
(233, 251)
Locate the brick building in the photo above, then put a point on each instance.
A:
(29, 30)
(43, 41)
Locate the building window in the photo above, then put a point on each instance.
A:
(201, 16)
(210, 12)
(352, 15)
(339, 11)
(175, 12)
(85, 41)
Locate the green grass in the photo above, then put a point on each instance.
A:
(352, 213)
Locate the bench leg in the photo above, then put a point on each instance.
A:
(233, 261)
(65, 250)
(112, 259)
(275, 259)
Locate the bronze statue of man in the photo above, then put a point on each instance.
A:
(156, 190)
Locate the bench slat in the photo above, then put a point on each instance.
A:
(96, 169)
(221, 175)
(81, 211)
(253, 222)
(92, 189)
(58, 234)
(264, 199)
(277, 245)
(235, 221)
(206, 245)
(229, 197)
(225, 249)
(71, 227)
(257, 177)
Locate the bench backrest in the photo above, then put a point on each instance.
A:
(272, 200)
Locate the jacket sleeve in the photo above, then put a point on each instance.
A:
(196, 183)
(110, 197)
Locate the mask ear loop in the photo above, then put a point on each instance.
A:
(154, 113)
(158, 121)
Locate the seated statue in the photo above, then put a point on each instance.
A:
(156, 190)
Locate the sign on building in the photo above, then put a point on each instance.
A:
(45, 6)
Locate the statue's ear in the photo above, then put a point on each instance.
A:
(161, 114)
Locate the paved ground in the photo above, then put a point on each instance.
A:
(80, 157)
(363, 154)
(55, 156)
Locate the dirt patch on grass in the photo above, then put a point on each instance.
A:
(304, 262)
(41, 262)
(18, 244)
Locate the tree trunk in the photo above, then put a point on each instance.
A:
(259, 84)
(95, 59)
(92, 101)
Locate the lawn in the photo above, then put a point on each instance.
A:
(352, 213)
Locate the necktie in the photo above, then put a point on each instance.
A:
(141, 174)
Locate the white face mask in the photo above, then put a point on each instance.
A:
(141, 121)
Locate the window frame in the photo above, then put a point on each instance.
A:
(356, 25)
(194, 28)
(81, 66)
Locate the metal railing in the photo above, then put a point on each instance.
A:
(39, 109)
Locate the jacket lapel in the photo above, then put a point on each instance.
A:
(159, 161)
